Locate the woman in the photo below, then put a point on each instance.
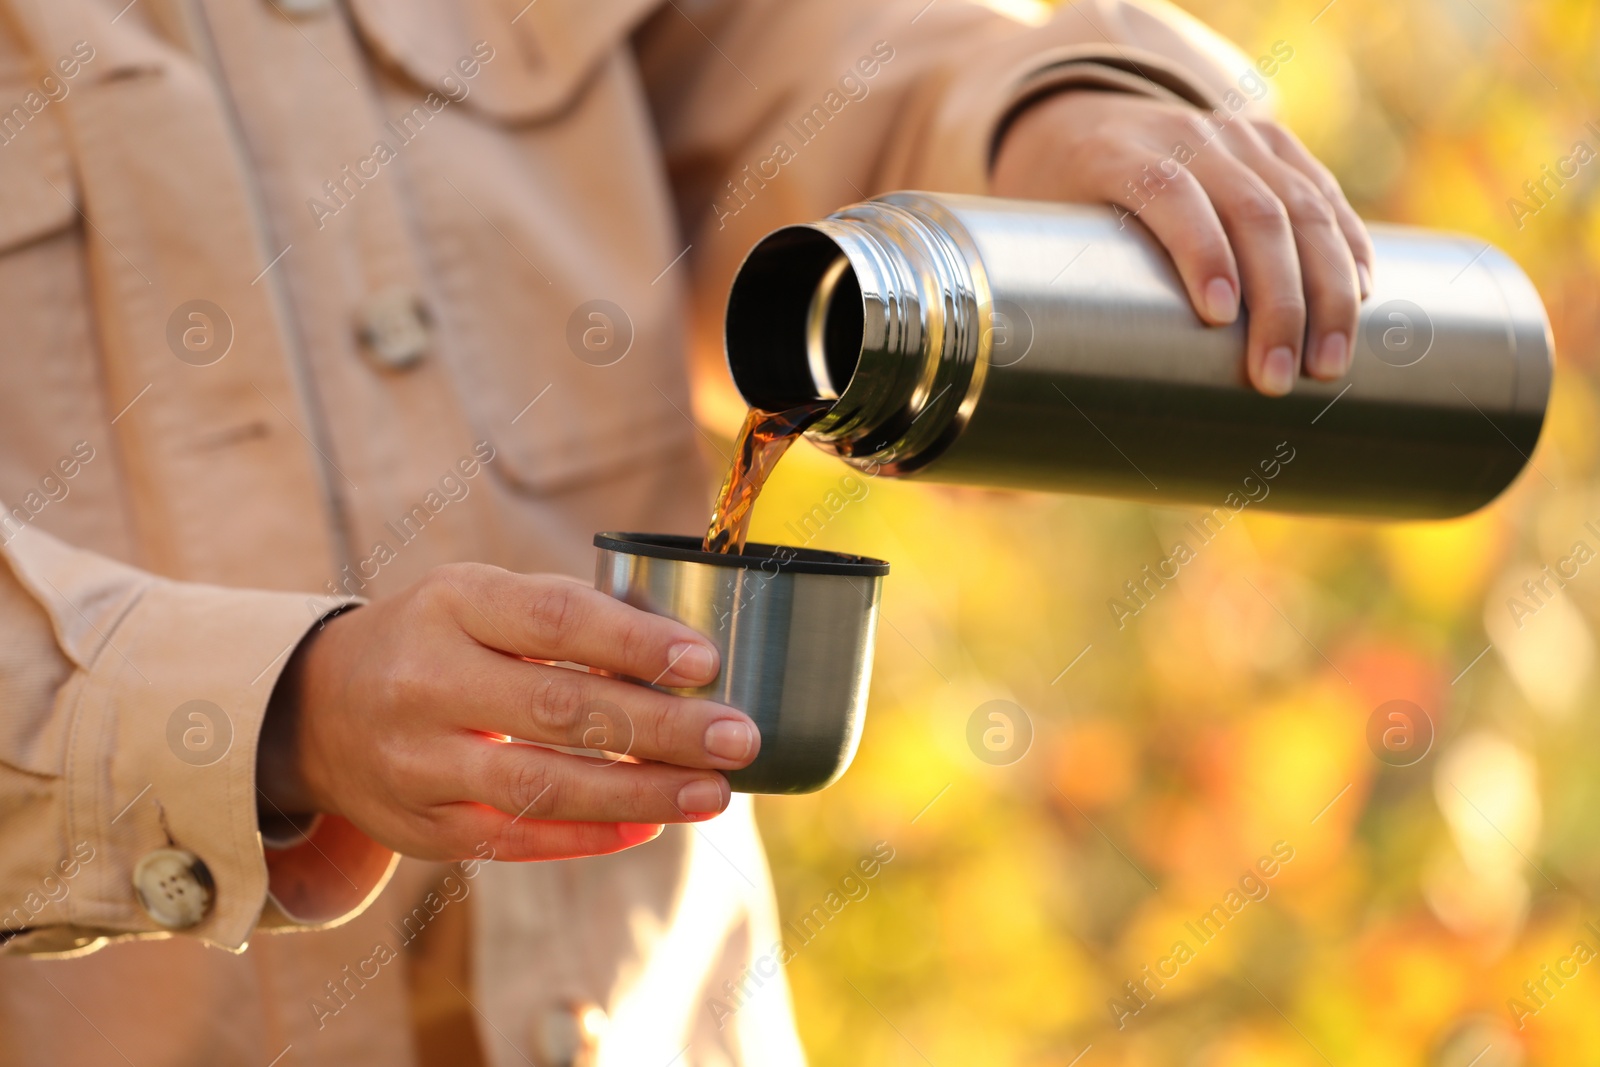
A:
(336, 331)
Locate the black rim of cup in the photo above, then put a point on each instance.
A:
(771, 558)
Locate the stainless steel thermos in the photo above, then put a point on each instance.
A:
(1045, 346)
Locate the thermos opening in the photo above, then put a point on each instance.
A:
(875, 311)
(795, 321)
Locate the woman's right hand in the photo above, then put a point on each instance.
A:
(396, 715)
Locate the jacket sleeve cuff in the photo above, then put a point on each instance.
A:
(955, 137)
(165, 711)
(324, 874)
(1122, 74)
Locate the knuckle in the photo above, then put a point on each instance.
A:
(554, 609)
(664, 724)
(451, 576)
(1100, 139)
(1338, 292)
(432, 590)
(404, 683)
(647, 799)
(1181, 177)
(1274, 134)
(557, 710)
(1283, 310)
(442, 588)
(607, 727)
(1307, 205)
(1193, 126)
(1340, 308)
(636, 639)
(1111, 141)
(1360, 239)
(406, 762)
(639, 794)
(1206, 245)
(1260, 209)
(1115, 167)
(1329, 186)
(530, 786)
(457, 572)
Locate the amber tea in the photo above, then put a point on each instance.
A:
(763, 439)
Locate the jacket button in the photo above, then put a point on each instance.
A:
(394, 327)
(568, 1035)
(174, 887)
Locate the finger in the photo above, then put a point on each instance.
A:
(532, 782)
(1287, 147)
(470, 827)
(545, 616)
(1180, 215)
(1333, 291)
(1269, 266)
(561, 706)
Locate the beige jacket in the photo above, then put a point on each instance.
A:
(299, 300)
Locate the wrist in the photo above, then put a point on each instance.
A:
(286, 764)
(1023, 140)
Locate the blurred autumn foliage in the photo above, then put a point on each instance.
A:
(1231, 715)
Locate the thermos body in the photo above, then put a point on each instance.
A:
(1053, 347)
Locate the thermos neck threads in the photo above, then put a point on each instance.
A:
(878, 308)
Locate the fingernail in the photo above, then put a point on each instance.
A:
(731, 739)
(1277, 371)
(1222, 300)
(1332, 356)
(692, 661)
(1364, 276)
(703, 796)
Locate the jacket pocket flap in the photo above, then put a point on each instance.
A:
(513, 60)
